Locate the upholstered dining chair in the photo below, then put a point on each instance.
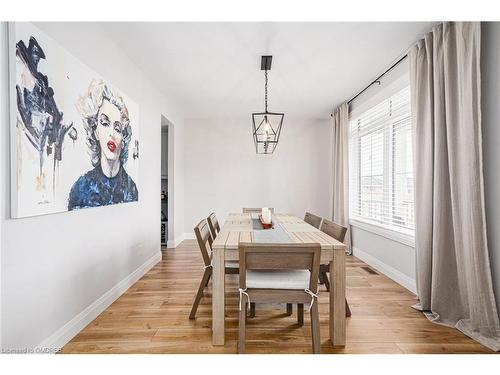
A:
(204, 239)
(289, 308)
(338, 232)
(313, 220)
(255, 210)
(213, 223)
(279, 273)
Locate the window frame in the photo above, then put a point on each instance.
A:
(394, 232)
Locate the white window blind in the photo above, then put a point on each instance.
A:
(381, 164)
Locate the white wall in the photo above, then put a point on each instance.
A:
(223, 173)
(490, 81)
(392, 258)
(58, 270)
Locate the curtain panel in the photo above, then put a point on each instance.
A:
(340, 212)
(453, 270)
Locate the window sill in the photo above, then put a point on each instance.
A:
(405, 239)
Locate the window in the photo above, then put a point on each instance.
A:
(381, 165)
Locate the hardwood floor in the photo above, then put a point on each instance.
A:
(152, 317)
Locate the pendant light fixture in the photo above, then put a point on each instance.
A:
(266, 125)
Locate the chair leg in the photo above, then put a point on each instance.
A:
(252, 309)
(324, 276)
(300, 314)
(242, 329)
(327, 284)
(321, 279)
(347, 309)
(208, 278)
(316, 341)
(289, 309)
(199, 294)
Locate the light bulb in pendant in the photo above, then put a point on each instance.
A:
(267, 129)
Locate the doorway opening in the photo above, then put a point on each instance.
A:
(166, 183)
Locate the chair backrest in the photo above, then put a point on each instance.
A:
(312, 219)
(204, 238)
(334, 230)
(213, 223)
(263, 256)
(255, 210)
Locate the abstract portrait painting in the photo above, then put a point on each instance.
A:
(74, 136)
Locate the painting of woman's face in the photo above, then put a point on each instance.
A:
(109, 130)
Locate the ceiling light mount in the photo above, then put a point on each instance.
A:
(265, 62)
(266, 125)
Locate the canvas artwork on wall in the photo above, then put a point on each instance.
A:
(74, 136)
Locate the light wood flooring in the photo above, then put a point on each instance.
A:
(152, 317)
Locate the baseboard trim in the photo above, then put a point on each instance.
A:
(172, 244)
(387, 270)
(189, 236)
(64, 334)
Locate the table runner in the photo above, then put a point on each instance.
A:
(274, 235)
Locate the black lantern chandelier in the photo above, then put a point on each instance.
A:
(266, 125)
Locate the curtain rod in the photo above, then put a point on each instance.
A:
(376, 80)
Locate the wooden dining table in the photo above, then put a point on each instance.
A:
(239, 227)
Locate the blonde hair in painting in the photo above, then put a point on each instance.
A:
(88, 106)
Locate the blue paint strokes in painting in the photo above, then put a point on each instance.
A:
(95, 189)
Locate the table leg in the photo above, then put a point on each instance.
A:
(218, 303)
(337, 298)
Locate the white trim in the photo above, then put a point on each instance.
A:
(189, 236)
(170, 181)
(64, 334)
(405, 239)
(172, 244)
(387, 270)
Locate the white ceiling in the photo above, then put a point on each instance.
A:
(213, 69)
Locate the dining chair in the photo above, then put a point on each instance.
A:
(204, 239)
(313, 220)
(213, 223)
(255, 210)
(279, 273)
(338, 232)
(289, 308)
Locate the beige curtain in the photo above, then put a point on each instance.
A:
(453, 271)
(340, 212)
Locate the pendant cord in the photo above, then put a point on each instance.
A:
(265, 89)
